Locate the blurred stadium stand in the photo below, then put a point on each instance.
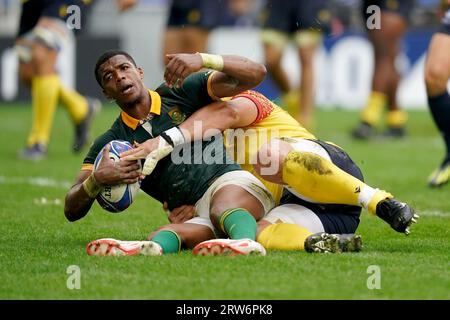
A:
(344, 63)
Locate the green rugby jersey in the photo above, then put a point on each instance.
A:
(176, 183)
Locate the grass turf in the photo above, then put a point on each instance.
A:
(38, 244)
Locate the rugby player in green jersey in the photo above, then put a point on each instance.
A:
(228, 199)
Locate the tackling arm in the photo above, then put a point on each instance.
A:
(236, 113)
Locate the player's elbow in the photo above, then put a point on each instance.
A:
(70, 213)
(263, 71)
(255, 74)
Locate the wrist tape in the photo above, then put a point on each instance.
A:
(173, 136)
(212, 61)
(92, 187)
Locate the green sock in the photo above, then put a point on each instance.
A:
(238, 224)
(168, 240)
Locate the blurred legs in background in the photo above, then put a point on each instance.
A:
(42, 34)
(385, 80)
(303, 22)
(437, 75)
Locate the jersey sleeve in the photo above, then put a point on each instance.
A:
(99, 143)
(196, 88)
(263, 105)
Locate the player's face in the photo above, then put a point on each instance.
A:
(121, 80)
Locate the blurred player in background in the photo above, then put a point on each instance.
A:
(189, 25)
(303, 22)
(437, 75)
(385, 80)
(42, 34)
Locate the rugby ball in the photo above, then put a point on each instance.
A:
(119, 197)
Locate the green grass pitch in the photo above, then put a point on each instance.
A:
(38, 244)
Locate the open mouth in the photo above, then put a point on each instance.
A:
(127, 89)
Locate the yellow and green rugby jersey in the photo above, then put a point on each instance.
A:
(174, 181)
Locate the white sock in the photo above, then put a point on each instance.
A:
(366, 195)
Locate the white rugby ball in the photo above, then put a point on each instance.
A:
(119, 197)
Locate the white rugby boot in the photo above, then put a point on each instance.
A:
(113, 247)
(229, 247)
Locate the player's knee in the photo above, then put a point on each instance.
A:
(42, 59)
(270, 160)
(436, 78)
(39, 53)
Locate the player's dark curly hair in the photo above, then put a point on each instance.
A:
(105, 57)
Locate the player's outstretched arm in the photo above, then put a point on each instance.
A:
(236, 73)
(89, 184)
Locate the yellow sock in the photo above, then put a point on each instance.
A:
(76, 104)
(396, 118)
(322, 181)
(44, 93)
(375, 106)
(283, 236)
(378, 196)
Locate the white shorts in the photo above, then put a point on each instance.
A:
(295, 214)
(305, 145)
(239, 178)
(56, 36)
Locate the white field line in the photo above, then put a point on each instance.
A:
(38, 182)
(35, 181)
(43, 201)
(434, 213)
(52, 183)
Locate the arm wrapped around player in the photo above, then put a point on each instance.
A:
(155, 149)
(167, 141)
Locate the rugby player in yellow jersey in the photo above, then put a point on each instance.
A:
(324, 190)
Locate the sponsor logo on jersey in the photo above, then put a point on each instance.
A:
(176, 115)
